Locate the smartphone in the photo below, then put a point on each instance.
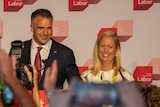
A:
(6, 94)
(92, 94)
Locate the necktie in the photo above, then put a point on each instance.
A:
(38, 62)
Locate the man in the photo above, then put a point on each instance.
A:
(41, 27)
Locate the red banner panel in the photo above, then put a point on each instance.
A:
(60, 30)
(29, 1)
(82, 69)
(156, 1)
(106, 29)
(124, 29)
(155, 63)
(43, 99)
(143, 73)
(142, 4)
(94, 1)
(77, 5)
(13, 5)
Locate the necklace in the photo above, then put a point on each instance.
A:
(114, 78)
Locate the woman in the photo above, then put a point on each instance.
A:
(106, 61)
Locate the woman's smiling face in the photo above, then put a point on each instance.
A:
(107, 50)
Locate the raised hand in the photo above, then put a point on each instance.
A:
(51, 76)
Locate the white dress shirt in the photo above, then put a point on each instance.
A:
(44, 52)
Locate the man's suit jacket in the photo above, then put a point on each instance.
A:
(67, 68)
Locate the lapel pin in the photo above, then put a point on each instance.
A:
(55, 52)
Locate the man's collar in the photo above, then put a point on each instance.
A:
(46, 46)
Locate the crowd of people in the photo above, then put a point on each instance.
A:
(150, 93)
(57, 64)
(55, 98)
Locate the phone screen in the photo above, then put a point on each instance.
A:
(6, 94)
(94, 94)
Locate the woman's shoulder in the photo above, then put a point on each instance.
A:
(128, 75)
(86, 74)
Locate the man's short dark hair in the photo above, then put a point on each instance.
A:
(41, 12)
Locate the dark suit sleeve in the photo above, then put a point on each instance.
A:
(71, 67)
